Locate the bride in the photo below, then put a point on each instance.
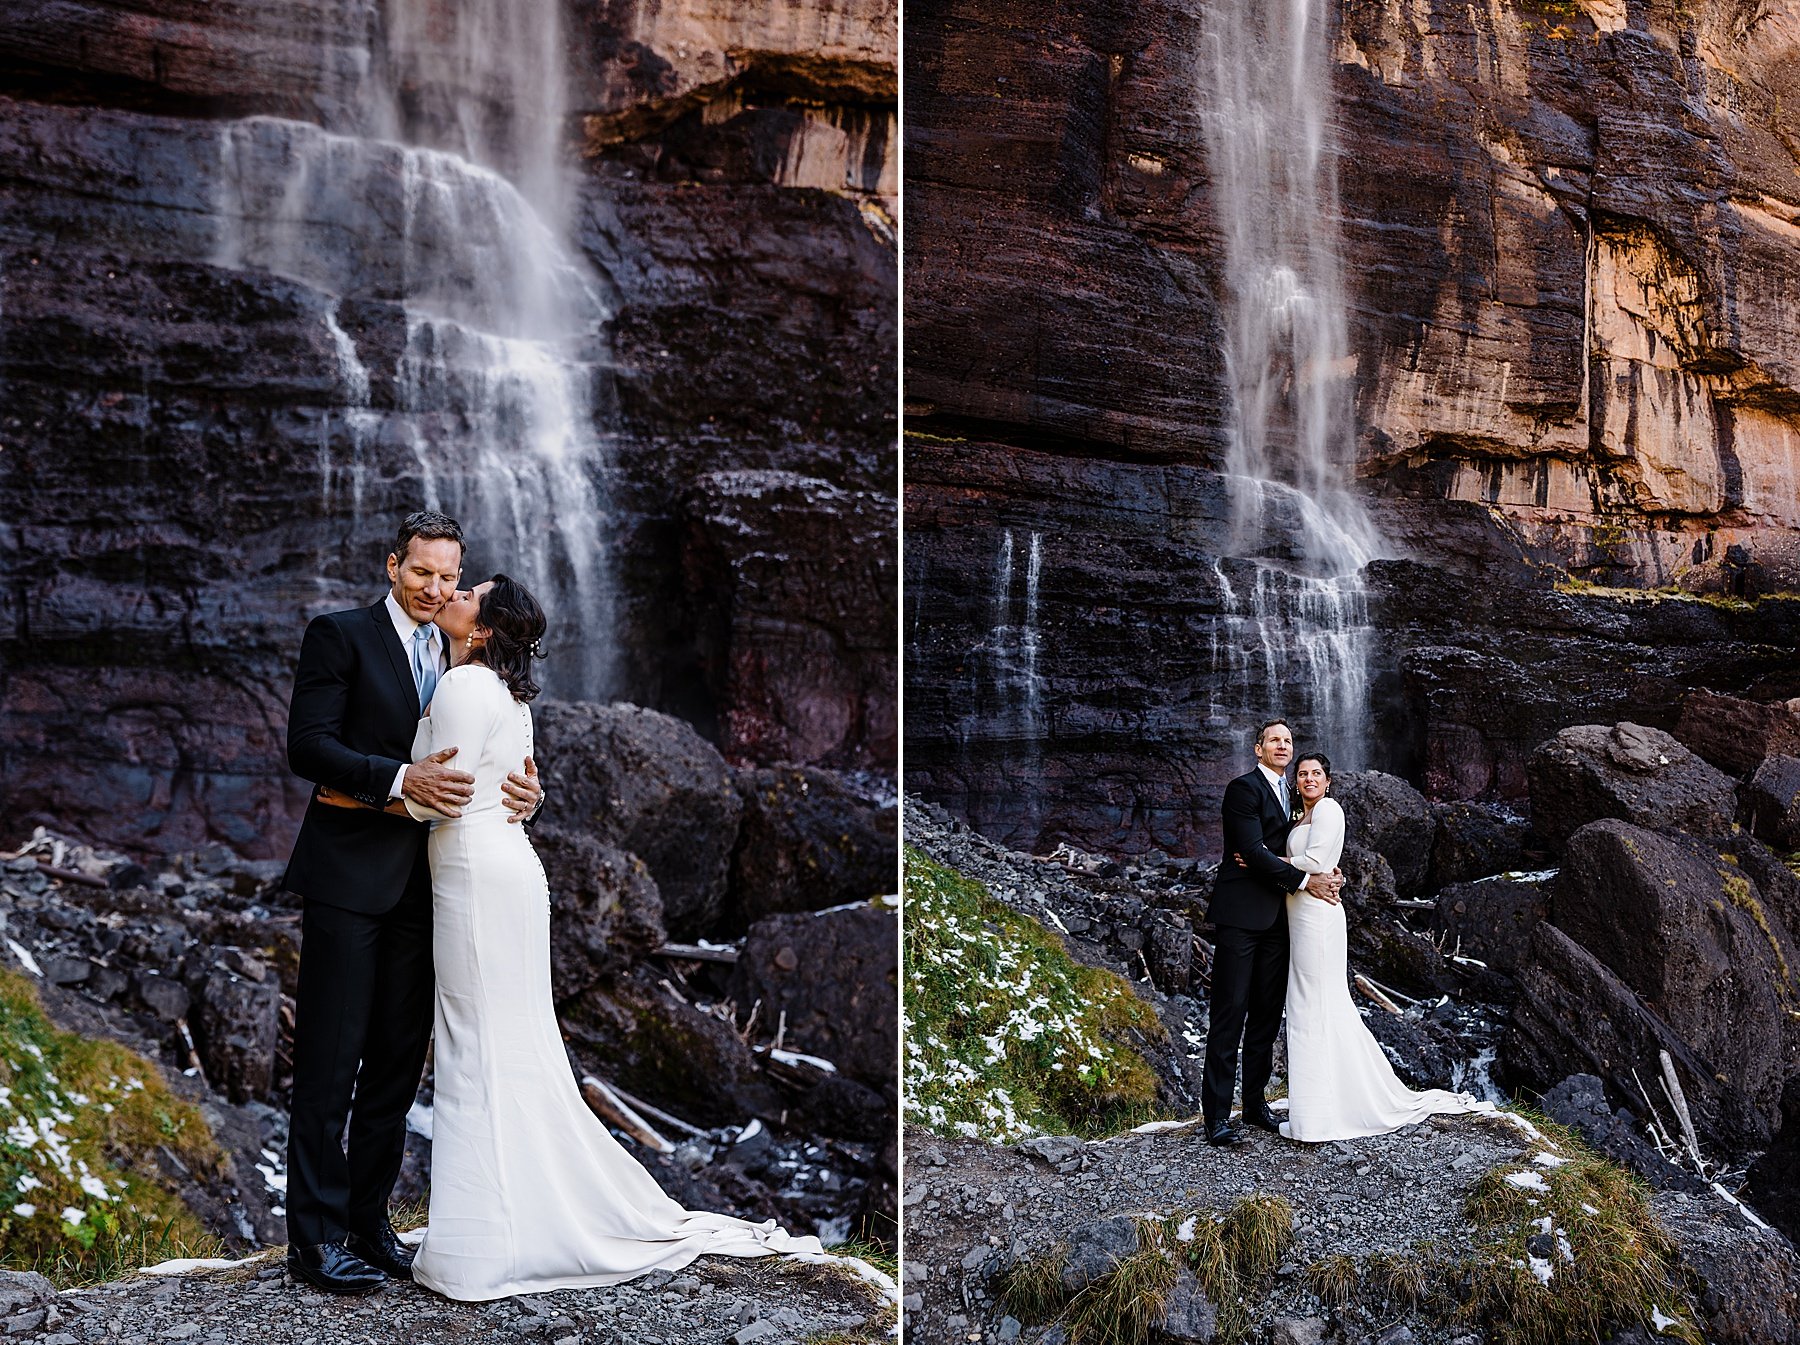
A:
(1340, 1084)
(529, 1190)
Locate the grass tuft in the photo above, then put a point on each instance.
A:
(1126, 1306)
(1259, 1231)
(1398, 1282)
(1032, 1287)
(1333, 1279)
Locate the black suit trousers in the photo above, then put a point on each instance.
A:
(1249, 988)
(362, 1024)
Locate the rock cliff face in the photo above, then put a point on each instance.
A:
(1567, 232)
(205, 443)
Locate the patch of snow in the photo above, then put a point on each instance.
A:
(26, 960)
(1186, 1232)
(1540, 1267)
(188, 1265)
(418, 1120)
(1548, 1160)
(1527, 1181)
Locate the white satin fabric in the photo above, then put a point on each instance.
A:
(529, 1190)
(1340, 1084)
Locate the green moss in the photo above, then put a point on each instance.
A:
(1737, 887)
(1005, 1033)
(85, 1122)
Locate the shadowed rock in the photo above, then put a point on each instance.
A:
(1636, 774)
(650, 785)
(605, 911)
(1388, 815)
(1492, 919)
(1772, 799)
(1736, 734)
(1476, 840)
(806, 842)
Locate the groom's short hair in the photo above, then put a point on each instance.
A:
(1257, 740)
(432, 526)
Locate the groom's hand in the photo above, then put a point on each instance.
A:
(523, 793)
(432, 784)
(1327, 887)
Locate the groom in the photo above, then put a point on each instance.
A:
(1250, 954)
(363, 1013)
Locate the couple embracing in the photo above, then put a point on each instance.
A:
(425, 907)
(1281, 942)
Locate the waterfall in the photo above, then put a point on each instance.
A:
(1007, 704)
(1296, 627)
(440, 192)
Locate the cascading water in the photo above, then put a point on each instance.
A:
(1296, 621)
(442, 196)
(1008, 701)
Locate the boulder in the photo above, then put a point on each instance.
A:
(1775, 1177)
(805, 842)
(1096, 1248)
(1580, 1101)
(1492, 919)
(22, 1290)
(235, 1031)
(650, 785)
(1188, 1314)
(1772, 802)
(633, 1031)
(1629, 772)
(1736, 735)
(1476, 840)
(1385, 814)
(605, 911)
(1686, 928)
(1574, 1016)
(835, 976)
(1747, 1279)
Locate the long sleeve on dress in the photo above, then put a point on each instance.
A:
(1325, 839)
(462, 716)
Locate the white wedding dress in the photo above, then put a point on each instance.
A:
(1340, 1084)
(529, 1190)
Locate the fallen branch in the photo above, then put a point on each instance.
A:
(1659, 1135)
(1416, 904)
(72, 875)
(1678, 1100)
(616, 1112)
(1391, 994)
(694, 952)
(1369, 988)
(658, 1114)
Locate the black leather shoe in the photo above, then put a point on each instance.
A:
(332, 1267)
(1223, 1133)
(1263, 1118)
(383, 1250)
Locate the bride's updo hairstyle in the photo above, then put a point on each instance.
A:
(517, 622)
(1323, 760)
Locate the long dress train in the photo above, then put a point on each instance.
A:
(529, 1190)
(1340, 1084)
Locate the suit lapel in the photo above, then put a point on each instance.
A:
(396, 652)
(1269, 789)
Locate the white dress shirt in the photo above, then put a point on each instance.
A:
(1278, 782)
(404, 627)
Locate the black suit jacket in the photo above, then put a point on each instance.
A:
(1257, 829)
(350, 726)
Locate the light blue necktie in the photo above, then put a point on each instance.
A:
(425, 671)
(1281, 793)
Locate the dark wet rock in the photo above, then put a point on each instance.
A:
(1492, 919)
(1476, 840)
(806, 842)
(795, 580)
(1772, 800)
(833, 975)
(1774, 1186)
(1688, 930)
(605, 911)
(1423, 1051)
(1630, 772)
(235, 1030)
(1574, 1016)
(1749, 1279)
(1736, 735)
(1385, 814)
(1580, 1101)
(635, 1032)
(650, 785)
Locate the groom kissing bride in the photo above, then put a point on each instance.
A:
(425, 909)
(1281, 944)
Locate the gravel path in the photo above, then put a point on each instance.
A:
(714, 1302)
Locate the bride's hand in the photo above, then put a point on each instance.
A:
(331, 798)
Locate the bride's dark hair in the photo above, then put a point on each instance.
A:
(517, 624)
(1323, 760)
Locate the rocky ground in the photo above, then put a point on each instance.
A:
(1617, 951)
(714, 1302)
(723, 949)
(973, 1209)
